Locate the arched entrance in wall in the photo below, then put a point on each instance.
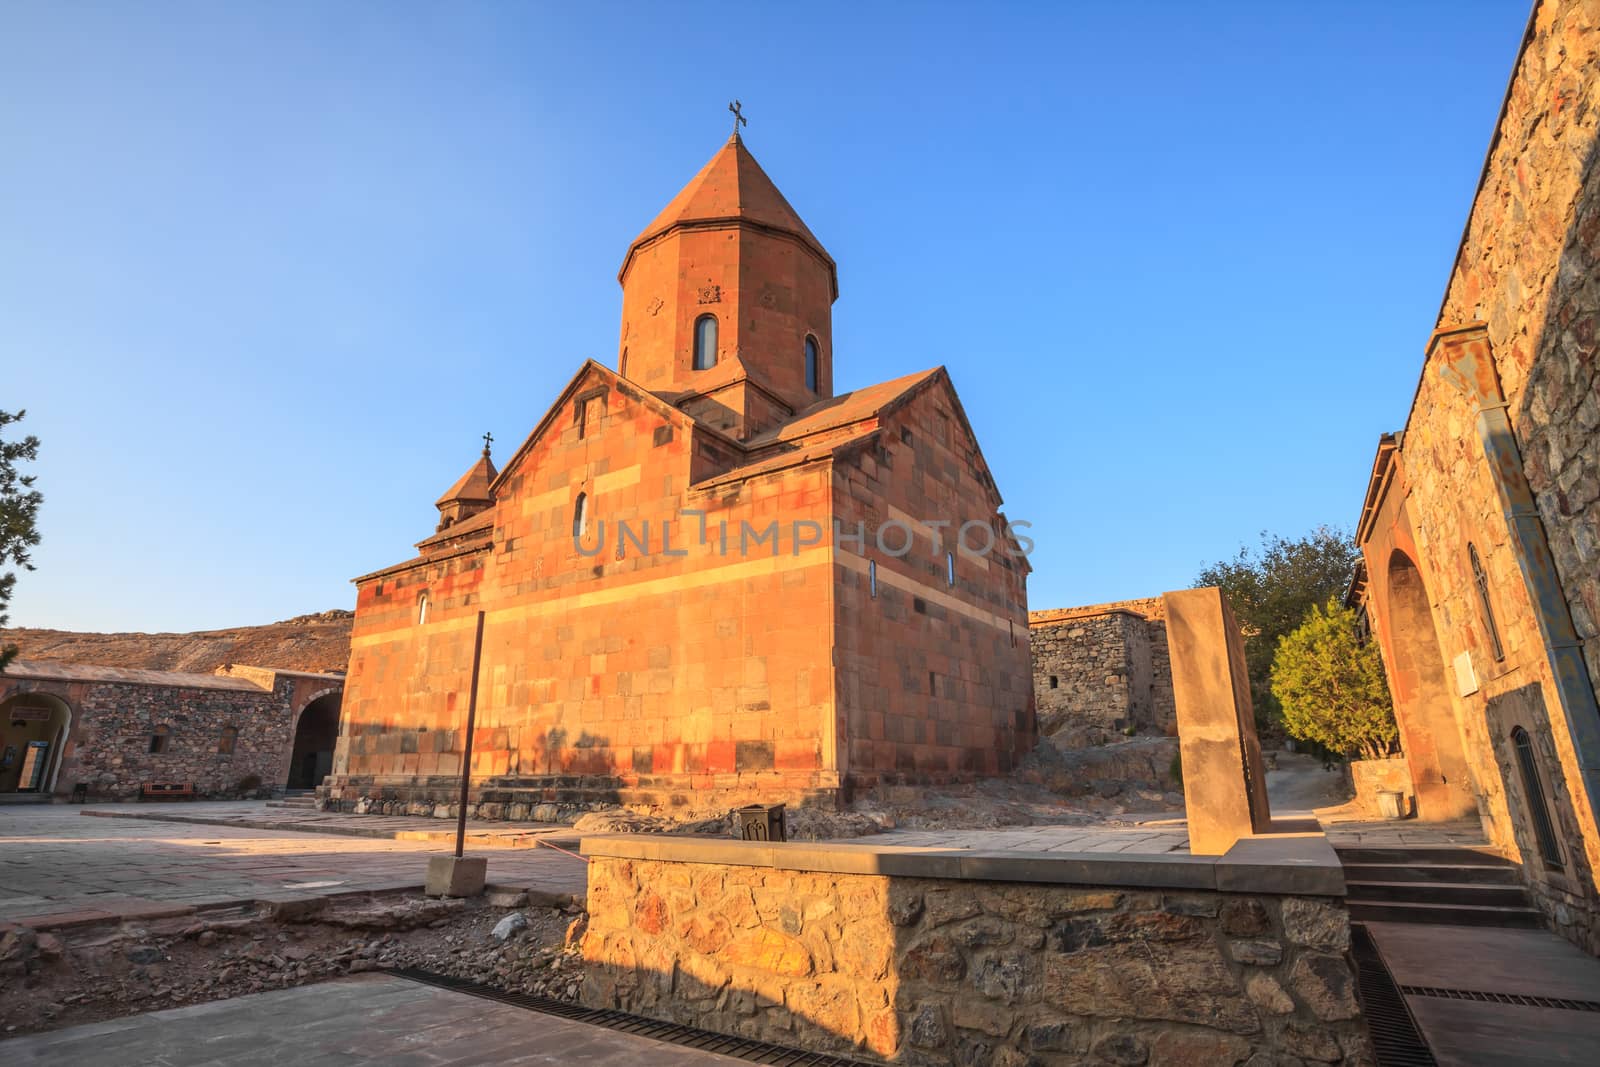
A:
(315, 735)
(1422, 705)
(33, 733)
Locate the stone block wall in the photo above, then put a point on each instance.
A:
(945, 971)
(1368, 777)
(1100, 670)
(1528, 271)
(112, 723)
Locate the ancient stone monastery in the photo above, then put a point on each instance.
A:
(705, 575)
(1480, 528)
(104, 732)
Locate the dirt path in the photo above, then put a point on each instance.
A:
(1298, 783)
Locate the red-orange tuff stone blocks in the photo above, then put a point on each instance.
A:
(741, 660)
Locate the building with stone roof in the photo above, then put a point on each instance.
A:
(704, 576)
(1480, 528)
(103, 732)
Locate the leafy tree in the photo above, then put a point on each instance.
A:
(1331, 686)
(1271, 589)
(19, 508)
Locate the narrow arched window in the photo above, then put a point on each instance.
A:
(705, 342)
(422, 608)
(159, 739)
(1481, 581)
(811, 364)
(230, 737)
(580, 516)
(1055, 682)
(622, 364)
(1533, 787)
(950, 568)
(872, 578)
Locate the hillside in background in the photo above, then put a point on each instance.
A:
(318, 643)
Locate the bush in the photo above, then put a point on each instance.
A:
(1331, 686)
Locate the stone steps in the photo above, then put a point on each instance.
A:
(1485, 874)
(1448, 884)
(1414, 892)
(1445, 914)
(1424, 855)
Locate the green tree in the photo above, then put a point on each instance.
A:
(1271, 588)
(19, 511)
(1331, 686)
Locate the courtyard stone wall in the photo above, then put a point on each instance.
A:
(1528, 270)
(1101, 670)
(945, 971)
(113, 722)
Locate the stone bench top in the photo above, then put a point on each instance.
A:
(1291, 863)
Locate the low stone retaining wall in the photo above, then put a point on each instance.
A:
(1370, 776)
(958, 957)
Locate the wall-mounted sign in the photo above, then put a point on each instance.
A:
(30, 714)
(1466, 676)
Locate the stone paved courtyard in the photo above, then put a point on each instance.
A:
(63, 867)
(364, 1019)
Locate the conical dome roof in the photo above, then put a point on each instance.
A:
(731, 188)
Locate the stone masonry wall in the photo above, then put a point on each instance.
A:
(933, 971)
(1100, 670)
(112, 724)
(1529, 269)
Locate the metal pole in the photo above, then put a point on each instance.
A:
(466, 747)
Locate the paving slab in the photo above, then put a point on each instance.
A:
(1533, 963)
(257, 815)
(364, 1019)
(62, 869)
(1469, 1034)
(1476, 1033)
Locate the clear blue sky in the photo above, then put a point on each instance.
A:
(267, 271)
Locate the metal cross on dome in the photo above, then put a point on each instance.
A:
(488, 439)
(738, 119)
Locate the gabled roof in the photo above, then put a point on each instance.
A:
(622, 385)
(844, 409)
(483, 520)
(730, 188)
(840, 422)
(473, 486)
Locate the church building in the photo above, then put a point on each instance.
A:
(706, 578)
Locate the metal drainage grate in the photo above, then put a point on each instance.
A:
(702, 1040)
(1396, 1040)
(1501, 998)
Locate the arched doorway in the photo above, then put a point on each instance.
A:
(314, 738)
(33, 733)
(1428, 731)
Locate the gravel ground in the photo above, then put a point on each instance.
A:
(88, 974)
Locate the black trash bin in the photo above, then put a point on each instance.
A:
(759, 822)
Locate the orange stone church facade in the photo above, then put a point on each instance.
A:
(705, 577)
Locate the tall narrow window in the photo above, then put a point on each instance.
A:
(580, 516)
(705, 342)
(1055, 682)
(622, 364)
(1481, 580)
(580, 417)
(1533, 786)
(811, 364)
(422, 608)
(230, 737)
(872, 578)
(160, 738)
(950, 568)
